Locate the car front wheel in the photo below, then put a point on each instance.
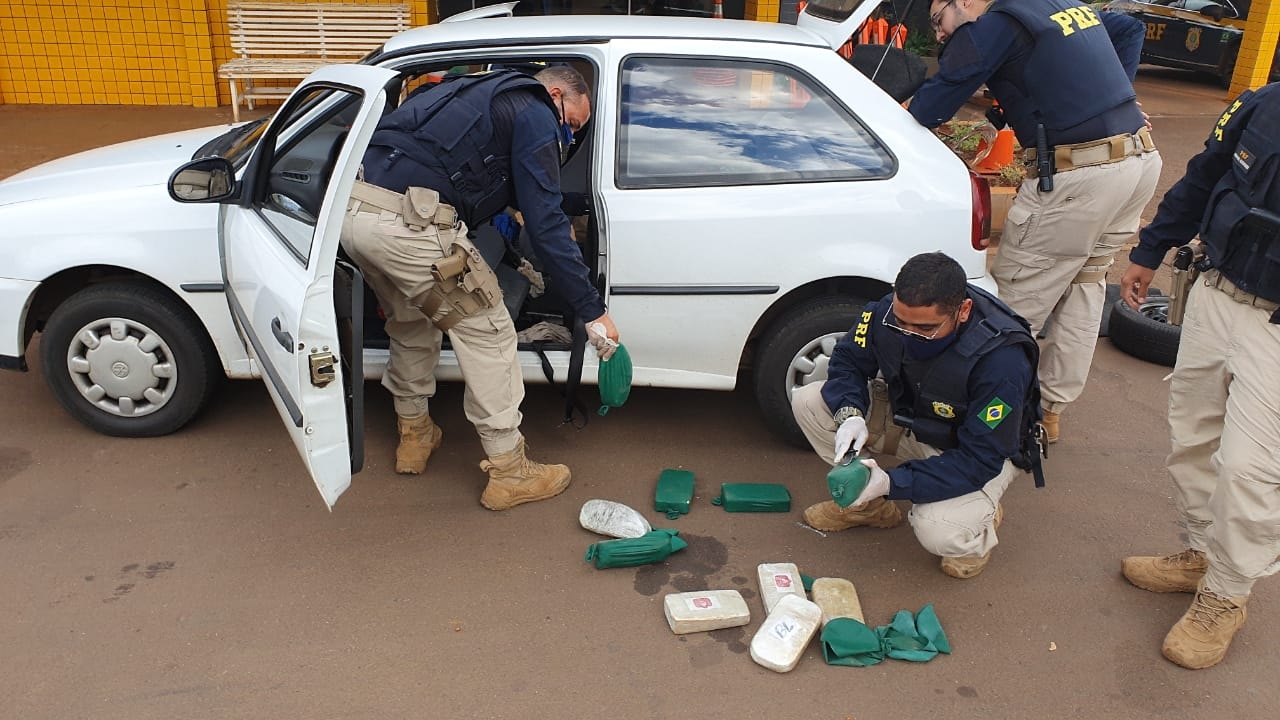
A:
(794, 352)
(128, 360)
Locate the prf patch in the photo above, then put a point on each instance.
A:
(860, 332)
(1075, 18)
(943, 410)
(994, 413)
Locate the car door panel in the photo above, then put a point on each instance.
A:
(280, 278)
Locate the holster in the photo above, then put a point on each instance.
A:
(464, 285)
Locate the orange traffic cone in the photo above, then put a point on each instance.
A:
(719, 10)
(999, 156)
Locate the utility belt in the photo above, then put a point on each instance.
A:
(464, 283)
(1094, 270)
(1095, 152)
(1215, 279)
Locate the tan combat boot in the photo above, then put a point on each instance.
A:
(1204, 633)
(830, 517)
(515, 479)
(1051, 422)
(1171, 573)
(419, 436)
(964, 568)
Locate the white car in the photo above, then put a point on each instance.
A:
(750, 191)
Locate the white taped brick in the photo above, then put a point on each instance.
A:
(784, 635)
(778, 580)
(690, 612)
(838, 598)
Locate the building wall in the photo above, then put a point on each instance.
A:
(120, 52)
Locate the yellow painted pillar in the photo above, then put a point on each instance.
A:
(199, 53)
(1258, 47)
(763, 10)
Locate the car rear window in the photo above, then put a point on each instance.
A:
(695, 122)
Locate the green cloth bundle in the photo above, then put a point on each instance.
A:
(614, 380)
(653, 546)
(674, 493)
(917, 638)
(846, 482)
(753, 497)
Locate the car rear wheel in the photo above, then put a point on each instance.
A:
(794, 352)
(128, 360)
(1145, 333)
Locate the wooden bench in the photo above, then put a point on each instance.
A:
(292, 40)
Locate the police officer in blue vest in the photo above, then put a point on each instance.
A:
(452, 156)
(1062, 74)
(940, 374)
(1224, 394)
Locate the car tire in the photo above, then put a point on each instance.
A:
(128, 360)
(1145, 333)
(793, 352)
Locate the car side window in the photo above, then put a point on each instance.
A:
(302, 165)
(689, 122)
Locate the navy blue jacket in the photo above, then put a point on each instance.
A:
(995, 49)
(1183, 208)
(981, 451)
(532, 129)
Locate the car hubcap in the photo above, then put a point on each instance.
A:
(1157, 311)
(122, 366)
(810, 364)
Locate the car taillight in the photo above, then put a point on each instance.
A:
(981, 211)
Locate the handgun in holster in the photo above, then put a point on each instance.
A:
(1187, 266)
(1044, 159)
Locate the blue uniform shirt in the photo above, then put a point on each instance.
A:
(997, 46)
(1180, 213)
(981, 451)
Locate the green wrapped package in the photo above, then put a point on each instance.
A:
(914, 638)
(653, 546)
(614, 380)
(674, 493)
(846, 482)
(753, 497)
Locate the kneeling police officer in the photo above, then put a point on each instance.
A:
(452, 156)
(942, 375)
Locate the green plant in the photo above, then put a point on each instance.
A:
(922, 44)
(1012, 174)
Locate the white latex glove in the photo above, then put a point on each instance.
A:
(598, 336)
(877, 484)
(852, 434)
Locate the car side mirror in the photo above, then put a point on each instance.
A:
(206, 180)
(1214, 12)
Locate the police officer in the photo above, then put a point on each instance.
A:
(1225, 388)
(1063, 75)
(954, 366)
(452, 156)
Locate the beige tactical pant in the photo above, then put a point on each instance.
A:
(1091, 213)
(1224, 421)
(396, 262)
(960, 527)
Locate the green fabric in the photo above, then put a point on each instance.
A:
(753, 497)
(846, 482)
(674, 493)
(807, 582)
(914, 638)
(653, 546)
(614, 380)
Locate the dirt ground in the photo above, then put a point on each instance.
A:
(199, 575)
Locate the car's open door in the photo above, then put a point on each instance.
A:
(835, 20)
(279, 251)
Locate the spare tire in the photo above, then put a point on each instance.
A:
(1145, 333)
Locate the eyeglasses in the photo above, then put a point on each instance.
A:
(935, 20)
(890, 321)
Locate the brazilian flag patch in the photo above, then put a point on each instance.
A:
(994, 413)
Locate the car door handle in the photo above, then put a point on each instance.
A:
(282, 336)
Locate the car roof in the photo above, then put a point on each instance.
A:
(580, 28)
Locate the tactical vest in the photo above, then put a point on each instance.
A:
(448, 128)
(1072, 74)
(941, 404)
(1244, 249)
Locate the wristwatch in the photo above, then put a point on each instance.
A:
(845, 413)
